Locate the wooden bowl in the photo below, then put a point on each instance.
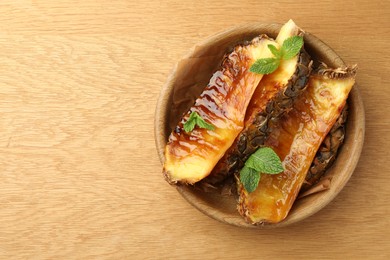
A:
(192, 74)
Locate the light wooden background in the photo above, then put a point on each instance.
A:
(79, 173)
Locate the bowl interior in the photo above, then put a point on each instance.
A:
(191, 75)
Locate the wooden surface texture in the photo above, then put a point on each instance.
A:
(79, 173)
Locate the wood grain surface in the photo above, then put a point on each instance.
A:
(79, 173)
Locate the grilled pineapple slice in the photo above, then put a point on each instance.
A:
(190, 157)
(296, 139)
(327, 152)
(273, 96)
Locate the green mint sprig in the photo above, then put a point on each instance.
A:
(290, 48)
(196, 119)
(263, 161)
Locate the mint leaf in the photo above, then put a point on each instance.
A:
(275, 51)
(191, 122)
(196, 119)
(265, 160)
(265, 66)
(189, 125)
(203, 124)
(249, 178)
(291, 47)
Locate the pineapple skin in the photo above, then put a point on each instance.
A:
(296, 139)
(190, 157)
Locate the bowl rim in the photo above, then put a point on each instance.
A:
(165, 98)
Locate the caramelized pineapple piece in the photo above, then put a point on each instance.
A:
(327, 152)
(190, 157)
(296, 138)
(274, 95)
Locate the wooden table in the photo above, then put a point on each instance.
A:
(79, 173)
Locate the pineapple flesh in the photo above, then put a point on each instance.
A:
(274, 95)
(190, 157)
(296, 138)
